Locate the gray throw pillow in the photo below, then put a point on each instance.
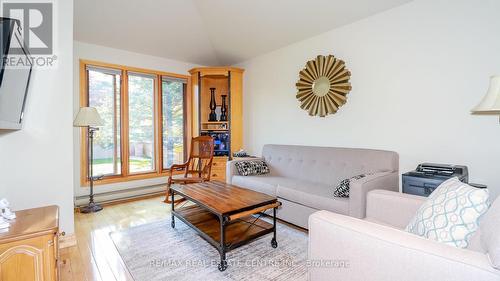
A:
(343, 188)
(252, 167)
(490, 233)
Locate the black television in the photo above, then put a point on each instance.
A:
(15, 74)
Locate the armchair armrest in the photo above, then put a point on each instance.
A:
(231, 168)
(177, 167)
(369, 251)
(392, 208)
(359, 189)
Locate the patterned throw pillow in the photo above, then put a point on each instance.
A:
(252, 168)
(451, 213)
(342, 189)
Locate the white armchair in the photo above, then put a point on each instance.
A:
(377, 248)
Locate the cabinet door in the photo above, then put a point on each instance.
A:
(236, 111)
(21, 263)
(32, 259)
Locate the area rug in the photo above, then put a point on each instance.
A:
(155, 251)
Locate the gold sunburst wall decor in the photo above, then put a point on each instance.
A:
(323, 85)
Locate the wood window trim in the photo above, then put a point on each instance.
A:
(126, 175)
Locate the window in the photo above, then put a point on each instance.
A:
(145, 121)
(141, 123)
(173, 95)
(104, 94)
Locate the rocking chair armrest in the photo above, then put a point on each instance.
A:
(177, 167)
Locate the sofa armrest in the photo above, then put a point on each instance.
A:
(362, 250)
(392, 208)
(231, 168)
(359, 189)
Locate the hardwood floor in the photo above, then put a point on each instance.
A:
(95, 256)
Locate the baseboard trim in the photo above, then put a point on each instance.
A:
(134, 198)
(126, 199)
(124, 195)
(67, 240)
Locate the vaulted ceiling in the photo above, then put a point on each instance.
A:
(213, 32)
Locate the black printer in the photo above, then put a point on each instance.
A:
(428, 176)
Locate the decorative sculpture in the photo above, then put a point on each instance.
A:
(223, 109)
(212, 116)
(5, 213)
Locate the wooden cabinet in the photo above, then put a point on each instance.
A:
(219, 168)
(29, 249)
(228, 134)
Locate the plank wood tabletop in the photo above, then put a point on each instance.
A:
(221, 198)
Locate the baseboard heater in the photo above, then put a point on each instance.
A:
(117, 196)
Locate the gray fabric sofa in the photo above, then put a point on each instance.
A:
(304, 177)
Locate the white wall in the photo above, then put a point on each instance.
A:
(110, 55)
(417, 70)
(36, 162)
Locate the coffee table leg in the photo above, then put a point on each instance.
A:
(172, 223)
(223, 263)
(274, 243)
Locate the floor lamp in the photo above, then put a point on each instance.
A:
(490, 104)
(89, 117)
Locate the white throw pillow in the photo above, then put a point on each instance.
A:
(451, 213)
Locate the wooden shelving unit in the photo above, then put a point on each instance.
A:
(228, 134)
(215, 126)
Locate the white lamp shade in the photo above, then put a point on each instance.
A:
(491, 101)
(88, 117)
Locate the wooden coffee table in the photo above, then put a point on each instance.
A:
(225, 215)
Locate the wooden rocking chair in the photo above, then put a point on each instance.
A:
(196, 169)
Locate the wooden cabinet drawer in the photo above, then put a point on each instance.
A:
(218, 171)
(219, 165)
(219, 159)
(216, 175)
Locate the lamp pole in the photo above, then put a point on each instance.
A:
(92, 207)
(89, 118)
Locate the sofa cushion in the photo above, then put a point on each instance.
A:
(326, 165)
(314, 195)
(451, 213)
(263, 183)
(475, 242)
(490, 233)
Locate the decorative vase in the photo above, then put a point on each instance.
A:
(223, 109)
(212, 116)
